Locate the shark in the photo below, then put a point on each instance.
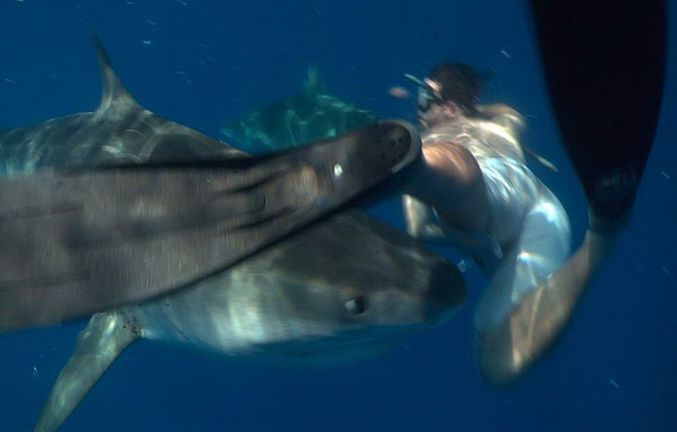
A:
(340, 291)
(345, 288)
(120, 205)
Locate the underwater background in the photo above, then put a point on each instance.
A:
(205, 63)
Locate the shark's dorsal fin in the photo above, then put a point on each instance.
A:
(115, 95)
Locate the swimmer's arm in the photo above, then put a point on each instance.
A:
(449, 179)
(421, 220)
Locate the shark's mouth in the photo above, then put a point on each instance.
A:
(339, 350)
(366, 346)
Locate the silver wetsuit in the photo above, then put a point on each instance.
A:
(528, 235)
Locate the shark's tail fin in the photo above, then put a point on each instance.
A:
(104, 339)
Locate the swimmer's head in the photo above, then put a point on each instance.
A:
(458, 83)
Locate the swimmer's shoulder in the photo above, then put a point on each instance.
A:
(499, 128)
(503, 115)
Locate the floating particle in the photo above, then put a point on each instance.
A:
(462, 266)
(666, 270)
(666, 175)
(399, 92)
(147, 42)
(9, 81)
(151, 22)
(320, 10)
(35, 372)
(614, 383)
(182, 2)
(506, 54)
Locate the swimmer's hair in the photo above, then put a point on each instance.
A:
(459, 83)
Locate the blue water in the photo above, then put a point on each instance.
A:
(205, 62)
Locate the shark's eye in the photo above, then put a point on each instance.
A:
(356, 305)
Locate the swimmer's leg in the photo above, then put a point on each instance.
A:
(608, 144)
(505, 344)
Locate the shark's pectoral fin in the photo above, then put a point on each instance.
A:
(106, 336)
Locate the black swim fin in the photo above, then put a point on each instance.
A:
(605, 66)
(74, 242)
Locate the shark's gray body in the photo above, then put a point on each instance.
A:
(345, 288)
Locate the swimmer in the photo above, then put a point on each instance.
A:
(474, 190)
